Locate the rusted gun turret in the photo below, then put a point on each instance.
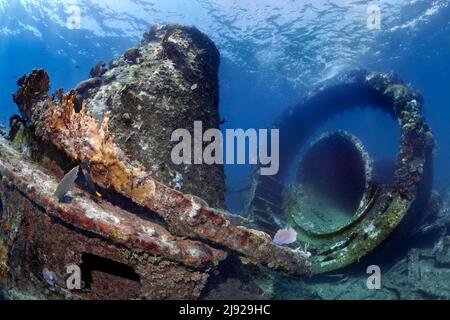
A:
(381, 208)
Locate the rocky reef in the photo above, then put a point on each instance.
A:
(142, 238)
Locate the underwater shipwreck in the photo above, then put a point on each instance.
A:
(155, 230)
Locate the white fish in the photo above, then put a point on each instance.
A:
(66, 183)
(285, 236)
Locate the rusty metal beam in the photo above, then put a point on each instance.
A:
(100, 217)
(78, 135)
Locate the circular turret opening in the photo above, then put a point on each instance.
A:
(331, 183)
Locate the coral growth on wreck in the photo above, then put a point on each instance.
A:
(166, 83)
(181, 237)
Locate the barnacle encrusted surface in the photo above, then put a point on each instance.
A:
(168, 82)
(38, 231)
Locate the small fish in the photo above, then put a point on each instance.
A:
(85, 169)
(66, 183)
(285, 236)
(239, 190)
(90, 184)
(77, 67)
(98, 70)
(223, 121)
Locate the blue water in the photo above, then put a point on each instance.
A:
(272, 53)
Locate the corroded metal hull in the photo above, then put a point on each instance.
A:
(142, 239)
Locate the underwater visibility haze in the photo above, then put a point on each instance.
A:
(335, 185)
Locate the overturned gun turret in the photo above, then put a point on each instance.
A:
(374, 210)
